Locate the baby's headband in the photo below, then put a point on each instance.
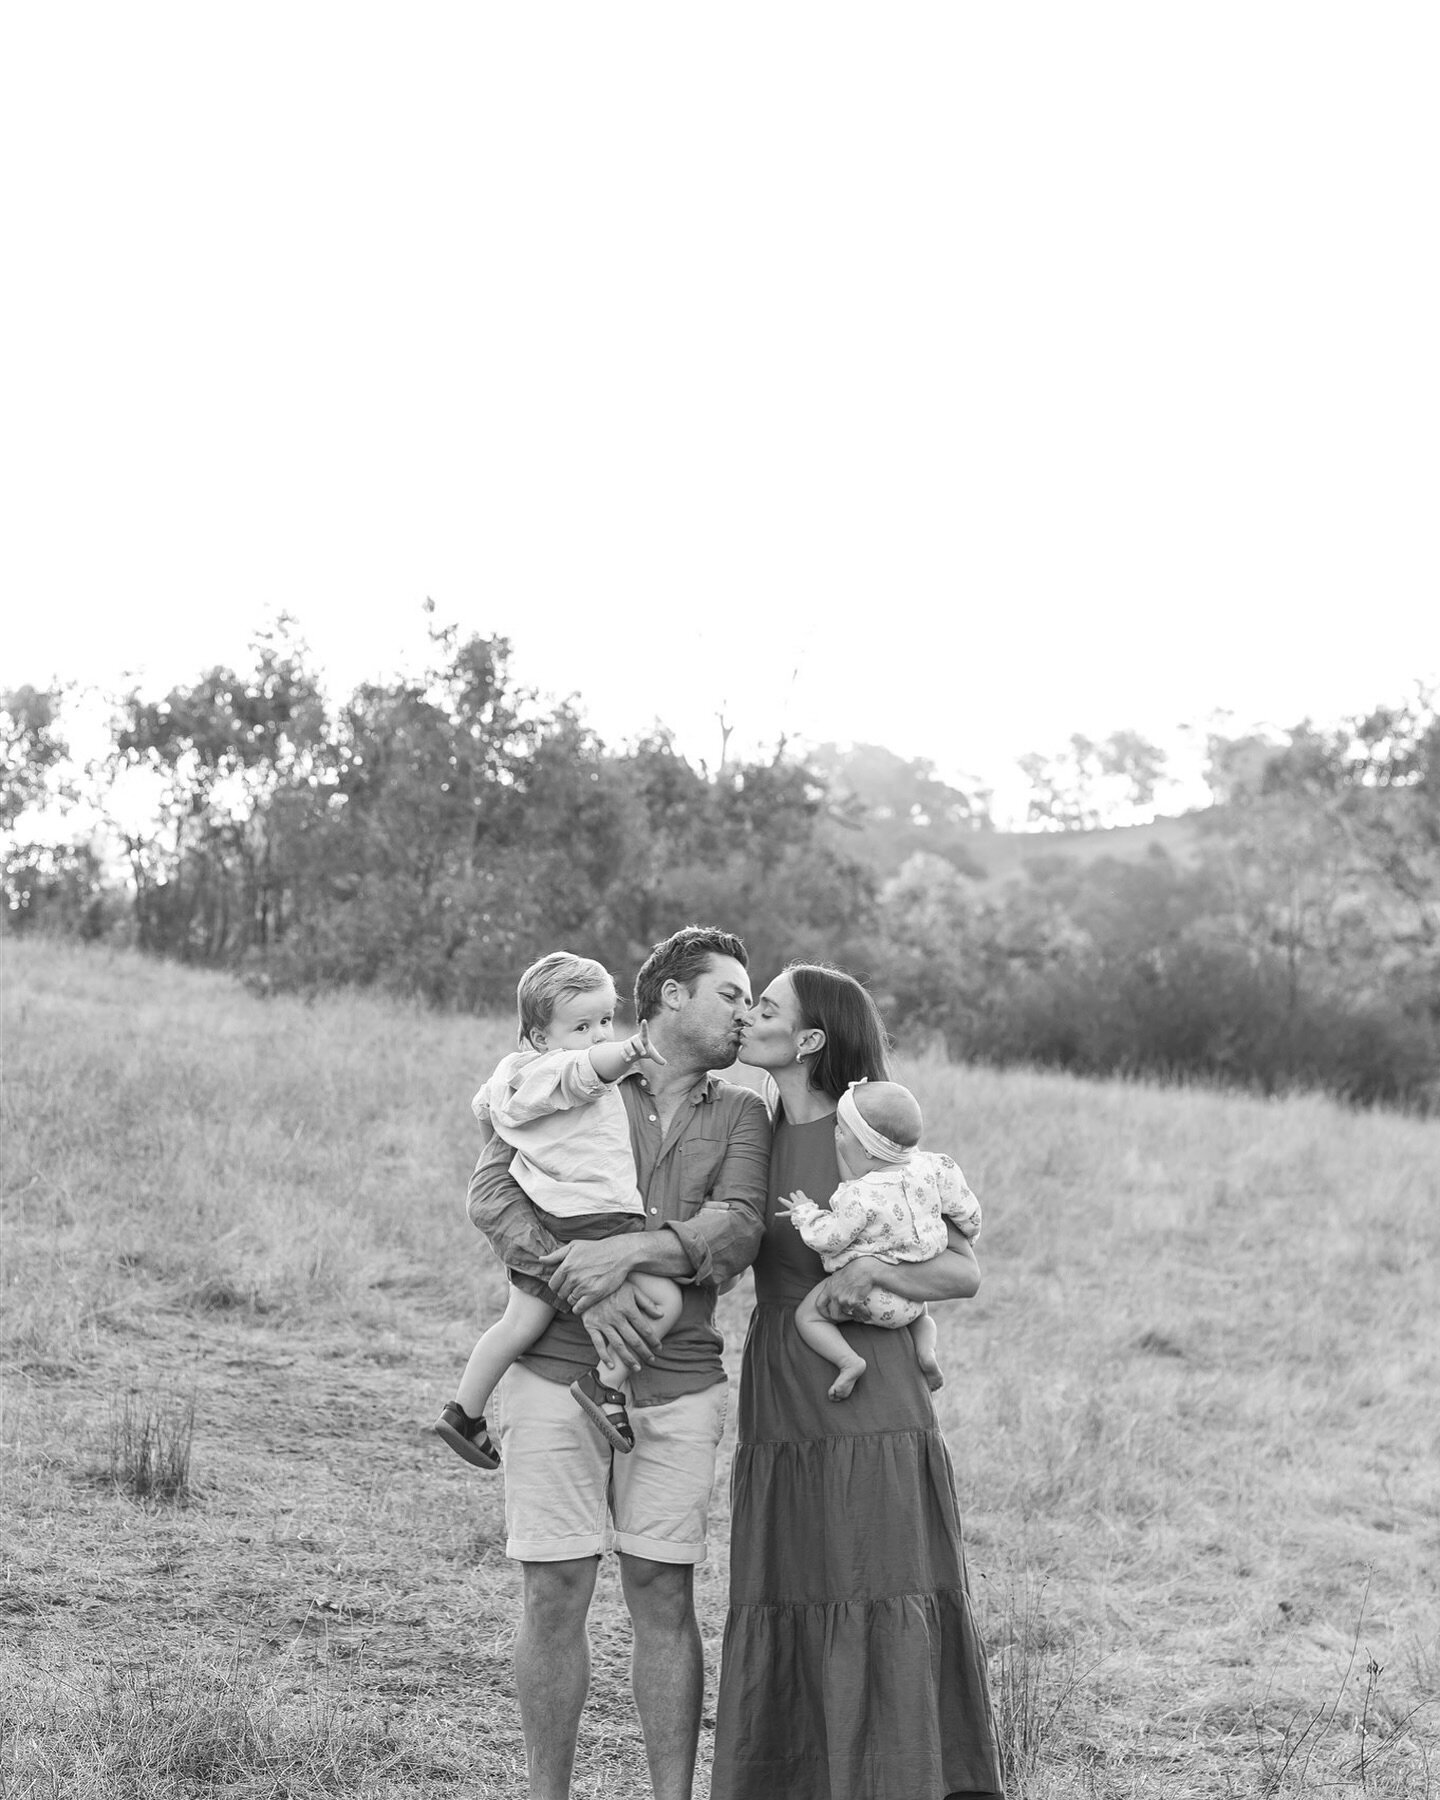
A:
(875, 1142)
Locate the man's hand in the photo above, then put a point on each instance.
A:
(621, 1327)
(841, 1296)
(589, 1270)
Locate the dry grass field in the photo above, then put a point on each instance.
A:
(1193, 1411)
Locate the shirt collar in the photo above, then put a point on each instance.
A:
(707, 1086)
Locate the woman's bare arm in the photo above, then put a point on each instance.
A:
(952, 1275)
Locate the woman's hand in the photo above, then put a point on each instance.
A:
(842, 1296)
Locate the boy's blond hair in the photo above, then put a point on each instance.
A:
(547, 982)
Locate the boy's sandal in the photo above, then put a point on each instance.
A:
(605, 1409)
(467, 1437)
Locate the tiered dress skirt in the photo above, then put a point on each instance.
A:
(851, 1667)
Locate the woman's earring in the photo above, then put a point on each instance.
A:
(799, 1056)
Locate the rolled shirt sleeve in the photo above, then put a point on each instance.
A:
(500, 1207)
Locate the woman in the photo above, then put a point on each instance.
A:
(852, 1669)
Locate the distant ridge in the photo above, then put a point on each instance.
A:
(998, 854)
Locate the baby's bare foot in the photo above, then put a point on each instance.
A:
(844, 1382)
(934, 1375)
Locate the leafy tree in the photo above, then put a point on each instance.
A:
(1109, 966)
(1090, 784)
(32, 747)
(886, 810)
(1330, 850)
(59, 888)
(55, 885)
(747, 849)
(217, 755)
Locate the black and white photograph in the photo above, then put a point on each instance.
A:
(720, 902)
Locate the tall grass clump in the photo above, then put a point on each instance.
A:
(1036, 1679)
(149, 1444)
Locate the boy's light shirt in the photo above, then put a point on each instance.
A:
(569, 1129)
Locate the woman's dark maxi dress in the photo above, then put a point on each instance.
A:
(852, 1669)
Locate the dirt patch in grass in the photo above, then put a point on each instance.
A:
(331, 1607)
(331, 1553)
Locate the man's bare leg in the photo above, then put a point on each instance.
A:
(552, 1669)
(666, 1669)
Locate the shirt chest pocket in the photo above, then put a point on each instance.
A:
(700, 1162)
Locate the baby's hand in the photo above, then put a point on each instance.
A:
(640, 1048)
(788, 1208)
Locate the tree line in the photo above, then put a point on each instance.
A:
(430, 835)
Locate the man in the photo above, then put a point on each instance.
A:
(702, 1151)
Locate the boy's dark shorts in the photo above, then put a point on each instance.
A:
(588, 1227)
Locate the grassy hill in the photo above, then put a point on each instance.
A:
(885, 844)
(1191, 1410)
(999, 854)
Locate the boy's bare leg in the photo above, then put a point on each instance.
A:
(666, 1669)
(525, 1318)
(666, 1295)
(829, 1341)
(552, 1669)
(926, 1337)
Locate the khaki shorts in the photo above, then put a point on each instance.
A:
(569, 1495)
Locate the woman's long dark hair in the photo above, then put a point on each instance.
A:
(855, 1042)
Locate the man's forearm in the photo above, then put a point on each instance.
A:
(721, 1240)
(589, 1270)
(659, 1253)
(498, 1206)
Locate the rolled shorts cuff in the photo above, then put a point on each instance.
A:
(539, 1550)
(665, 1550)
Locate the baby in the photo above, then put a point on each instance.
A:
(555, 1100)
(892, 1204)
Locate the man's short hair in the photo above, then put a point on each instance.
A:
(683, 957)
(546, 983)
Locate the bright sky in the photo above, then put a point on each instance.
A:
(953, 377)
